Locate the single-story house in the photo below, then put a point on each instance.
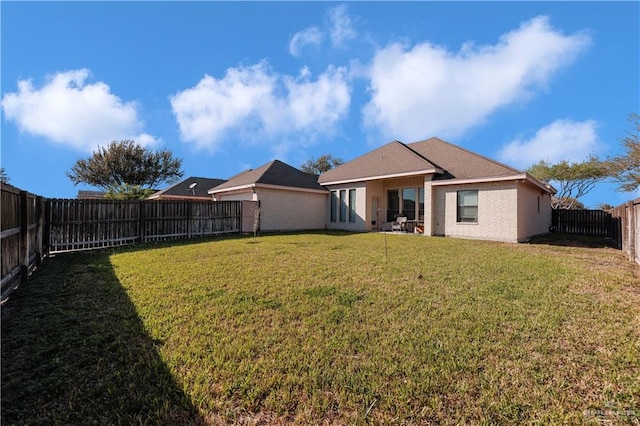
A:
(289, 199)
(191, 188)
(441, 189)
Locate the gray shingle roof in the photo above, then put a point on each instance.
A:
(390, 159)
(433, 155)
(184, 189)
(273, 173)
(458, 162)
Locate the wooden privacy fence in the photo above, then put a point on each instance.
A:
(582, 222)
(626, 223)
(33, 227)
(23, 240)
(88, 224)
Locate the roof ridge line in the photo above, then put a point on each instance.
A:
(414, 152)
(473, 153)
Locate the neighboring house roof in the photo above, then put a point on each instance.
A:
(446, 161)
(274, 173)
(192, 187)
(91, 195)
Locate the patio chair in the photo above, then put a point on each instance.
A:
(399, 223)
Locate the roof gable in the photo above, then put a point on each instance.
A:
(394, 158)
(273, 173)
(459, 163)
(445, 160)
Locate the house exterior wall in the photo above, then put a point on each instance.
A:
(369, 218)
(362, 221)
(497, 211)
(534, 211)
(285, 210)
(243, 195)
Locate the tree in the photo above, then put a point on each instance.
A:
(321, 165)
(126, 170)
(606, 206)
(573, 180)
(128, 192)
(625, 169)
(567, 203)
(3, 175)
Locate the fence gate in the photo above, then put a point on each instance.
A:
(583, 222)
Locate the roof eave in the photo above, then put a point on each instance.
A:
(522, 176)
(387, 176)
(265, 185)
(217, 190)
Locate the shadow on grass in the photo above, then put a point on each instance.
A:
(74, 351)
(570, 240)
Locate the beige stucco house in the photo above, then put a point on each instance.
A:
(441, 189)
(288, 199)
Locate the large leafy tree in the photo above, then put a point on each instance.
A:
(321, 164)
(126, 170)
(572, 180)
(625, 169)
(4, 178)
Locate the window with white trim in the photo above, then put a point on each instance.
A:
(468, 206)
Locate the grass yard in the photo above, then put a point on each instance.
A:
(326, 328)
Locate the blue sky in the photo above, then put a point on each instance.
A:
(228, 86)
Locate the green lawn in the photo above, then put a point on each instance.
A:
(326, 328)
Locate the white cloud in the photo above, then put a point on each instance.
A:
(301, 39)
(342, 29)
(426, 90)
(339, 30)
(70, 112)
(561, 140)
(257, 104)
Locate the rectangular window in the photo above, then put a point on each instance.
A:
(538, 204)
(421, 204)
(343, 205)
(409, 203)
(468, 206)
(334, 205)
(352, 205)
(393, 205)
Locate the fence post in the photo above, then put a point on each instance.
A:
(24, 237)
(189, 217)
(39, 229)
(631, 231)
(141, 220)
(47, 225)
